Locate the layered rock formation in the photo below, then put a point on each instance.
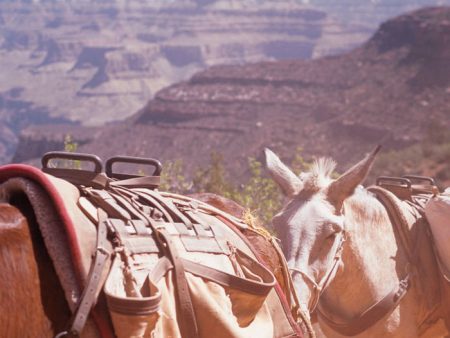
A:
(90, 62)
(95, 62)
(387, 92)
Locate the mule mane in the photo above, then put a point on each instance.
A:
(361, 203)
(319, 176)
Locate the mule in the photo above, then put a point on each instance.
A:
(344, 255)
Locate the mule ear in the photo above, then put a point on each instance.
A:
(289, 183)
(346, 184)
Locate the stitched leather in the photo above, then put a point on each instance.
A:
(94, 280)
(188, 322)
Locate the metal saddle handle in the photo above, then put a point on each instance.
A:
(96, 177)
(423, 184)
(418, 178)
(74, 175)
(64, 155)
(131, 160)
(397, 181)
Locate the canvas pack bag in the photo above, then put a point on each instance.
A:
(230, 291)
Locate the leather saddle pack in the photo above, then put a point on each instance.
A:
(137, 262)
(407, 199)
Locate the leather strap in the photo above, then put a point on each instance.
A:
(127, 203)
(150, 182)
(188, 322)
(370, 316)
(79, 177)
(104, 200)
(152, 201)
(94, 280)
(318, 288)
(187, 202)
(254, 287)
(170, 206)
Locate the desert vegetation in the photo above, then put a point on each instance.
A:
(258, 194)
(262, 198)
(431, 157)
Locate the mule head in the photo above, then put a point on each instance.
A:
(311, 224)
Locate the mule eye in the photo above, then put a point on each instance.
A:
(333, 230)
(332, 235)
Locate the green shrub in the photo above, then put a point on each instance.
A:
(173, 178)
(259, 194)
(69, 146)
(214, 178)
(431, 157)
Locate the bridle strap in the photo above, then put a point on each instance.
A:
(316, 289)
(372, 315)
(319, 288)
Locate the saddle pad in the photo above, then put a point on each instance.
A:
(437, 212)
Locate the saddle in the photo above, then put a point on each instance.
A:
(437, 212)
(163, 265)
(406, 199)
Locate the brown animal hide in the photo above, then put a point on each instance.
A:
(262, 244)
(27, 309)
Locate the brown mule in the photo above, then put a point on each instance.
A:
(260, 239)
(32, 303)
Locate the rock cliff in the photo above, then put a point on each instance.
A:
(389, 91)
(92, 62)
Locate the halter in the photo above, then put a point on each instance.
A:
(319, 287)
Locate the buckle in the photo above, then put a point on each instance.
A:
(403, 286)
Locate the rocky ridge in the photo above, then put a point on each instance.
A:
(95, 62)
(389, 92)
(90, 62)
